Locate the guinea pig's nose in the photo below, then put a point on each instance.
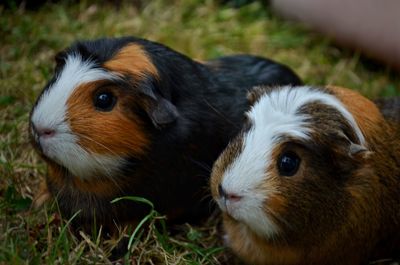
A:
(44, 131)
(228, 195)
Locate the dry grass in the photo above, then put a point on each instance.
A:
(200, 29)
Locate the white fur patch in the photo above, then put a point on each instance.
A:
(64, 150)
(274, 115)
(51, 113)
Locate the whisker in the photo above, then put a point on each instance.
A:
(219, 113)
(108, 172)
(201, 164)
(98, 143)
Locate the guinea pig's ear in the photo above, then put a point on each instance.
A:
(355, 150)
(160, 110)
(359, 151)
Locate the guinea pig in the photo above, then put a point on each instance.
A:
(130, 117)
(312, 178)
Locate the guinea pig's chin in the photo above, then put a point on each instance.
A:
(79, 162)
(255, 218)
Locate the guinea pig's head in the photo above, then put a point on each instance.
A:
(286, 174)
(94, 116)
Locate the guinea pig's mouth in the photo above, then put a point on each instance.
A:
(247, 208)
(231, 204)
(49, 148)
(235, 208)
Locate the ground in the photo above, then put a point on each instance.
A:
(199, 29)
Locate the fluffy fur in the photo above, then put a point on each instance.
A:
(342, 206)
(172, 118)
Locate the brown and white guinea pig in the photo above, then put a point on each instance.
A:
(127, 116)
(312, 178)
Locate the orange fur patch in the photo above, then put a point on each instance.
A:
(364, 111)
(114, 133)
(132, 60)
(276, 203)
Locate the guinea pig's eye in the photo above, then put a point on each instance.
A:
(288, 164)
(104, 101)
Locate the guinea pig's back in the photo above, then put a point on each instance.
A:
(247, 71)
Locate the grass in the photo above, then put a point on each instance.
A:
(200, 29)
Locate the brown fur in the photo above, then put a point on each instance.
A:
(132, 60)
(245, 242)
(254, 95)
(364, 111)
(340, 207)
(222, 164)
(112, 133)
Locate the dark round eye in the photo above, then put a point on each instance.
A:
(104, 101)
(288, 164)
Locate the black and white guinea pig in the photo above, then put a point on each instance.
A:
(312, 178)
(127, 116)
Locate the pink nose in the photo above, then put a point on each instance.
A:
(228, 196)
(233, 197)
(45, 132)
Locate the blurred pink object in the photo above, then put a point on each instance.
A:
(372, 26)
